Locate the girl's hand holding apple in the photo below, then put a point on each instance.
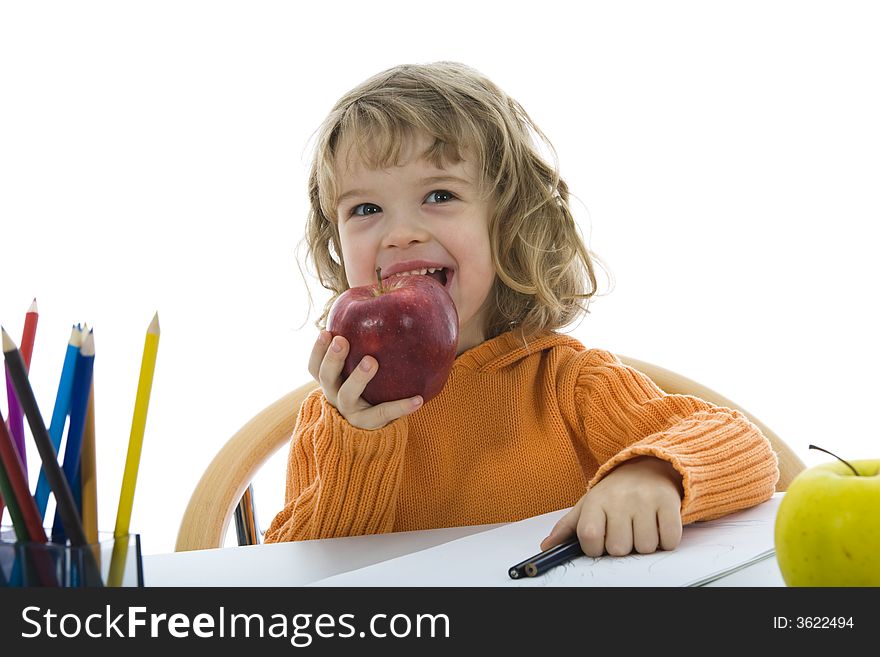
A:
(325, 365)
(408, 324)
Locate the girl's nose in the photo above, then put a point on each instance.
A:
(404, 231)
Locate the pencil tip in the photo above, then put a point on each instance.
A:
(33, 307)
(88, 345)
(154, 325)
(8, 344)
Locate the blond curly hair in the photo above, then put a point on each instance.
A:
(545, 274)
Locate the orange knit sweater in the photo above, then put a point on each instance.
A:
(516, 432)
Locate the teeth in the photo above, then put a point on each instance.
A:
(418, 272)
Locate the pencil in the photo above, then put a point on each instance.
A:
(88, 474)
(28, 336)
(25, 520)
(59, 412)
(138, 422)
(544, 561)
(16, 419)
(79, 404)
(59, 485)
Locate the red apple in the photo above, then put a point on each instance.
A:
(409, 324)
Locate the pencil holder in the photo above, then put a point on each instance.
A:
(109, 562)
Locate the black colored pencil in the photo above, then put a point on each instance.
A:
(57, 482)
(544, 561)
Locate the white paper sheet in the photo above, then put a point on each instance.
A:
(707, 551)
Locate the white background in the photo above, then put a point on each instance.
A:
(153, 157)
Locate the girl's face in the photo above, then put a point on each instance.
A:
(414, 217)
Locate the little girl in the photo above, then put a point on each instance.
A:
(435, 167)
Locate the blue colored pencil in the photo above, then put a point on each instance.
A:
(79, 404)
(59, 413)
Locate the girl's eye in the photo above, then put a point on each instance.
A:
(365, 209)
(441, 196)
(438, 196)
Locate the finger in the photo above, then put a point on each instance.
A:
(382, 414)
(619, 534)
(318, 351)
(331, 365)
(646, 535)
(669, 524)
(353, 387)
(565, 527)
(591, 530)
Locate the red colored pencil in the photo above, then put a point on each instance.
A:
(29, 334)
(23, 509)
(27, 507)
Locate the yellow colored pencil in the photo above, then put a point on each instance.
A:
(88, 474)
(138, 422)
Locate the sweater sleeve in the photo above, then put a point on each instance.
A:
(725, 462)
(341, 480)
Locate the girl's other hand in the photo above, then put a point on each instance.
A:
(325, 365)
(637, 506)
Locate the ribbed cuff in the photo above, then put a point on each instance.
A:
(724, 461)
(348, 477)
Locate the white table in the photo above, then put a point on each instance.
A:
(304, 562)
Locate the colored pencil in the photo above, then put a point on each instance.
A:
(15, 423)
(138, 423)
(91, 574)
(88, 474)
(132, 459)
(59, 485)
(16, 419)
(544, 561)
(60, 412)
(25, 520)
(79, 405)
(29, 334)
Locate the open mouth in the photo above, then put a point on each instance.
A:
(442, 275)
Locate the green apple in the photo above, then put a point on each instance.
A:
(828, 526)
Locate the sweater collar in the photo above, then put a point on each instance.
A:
(509, 348)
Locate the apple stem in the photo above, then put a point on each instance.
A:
(837, 457)
(379, 277)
